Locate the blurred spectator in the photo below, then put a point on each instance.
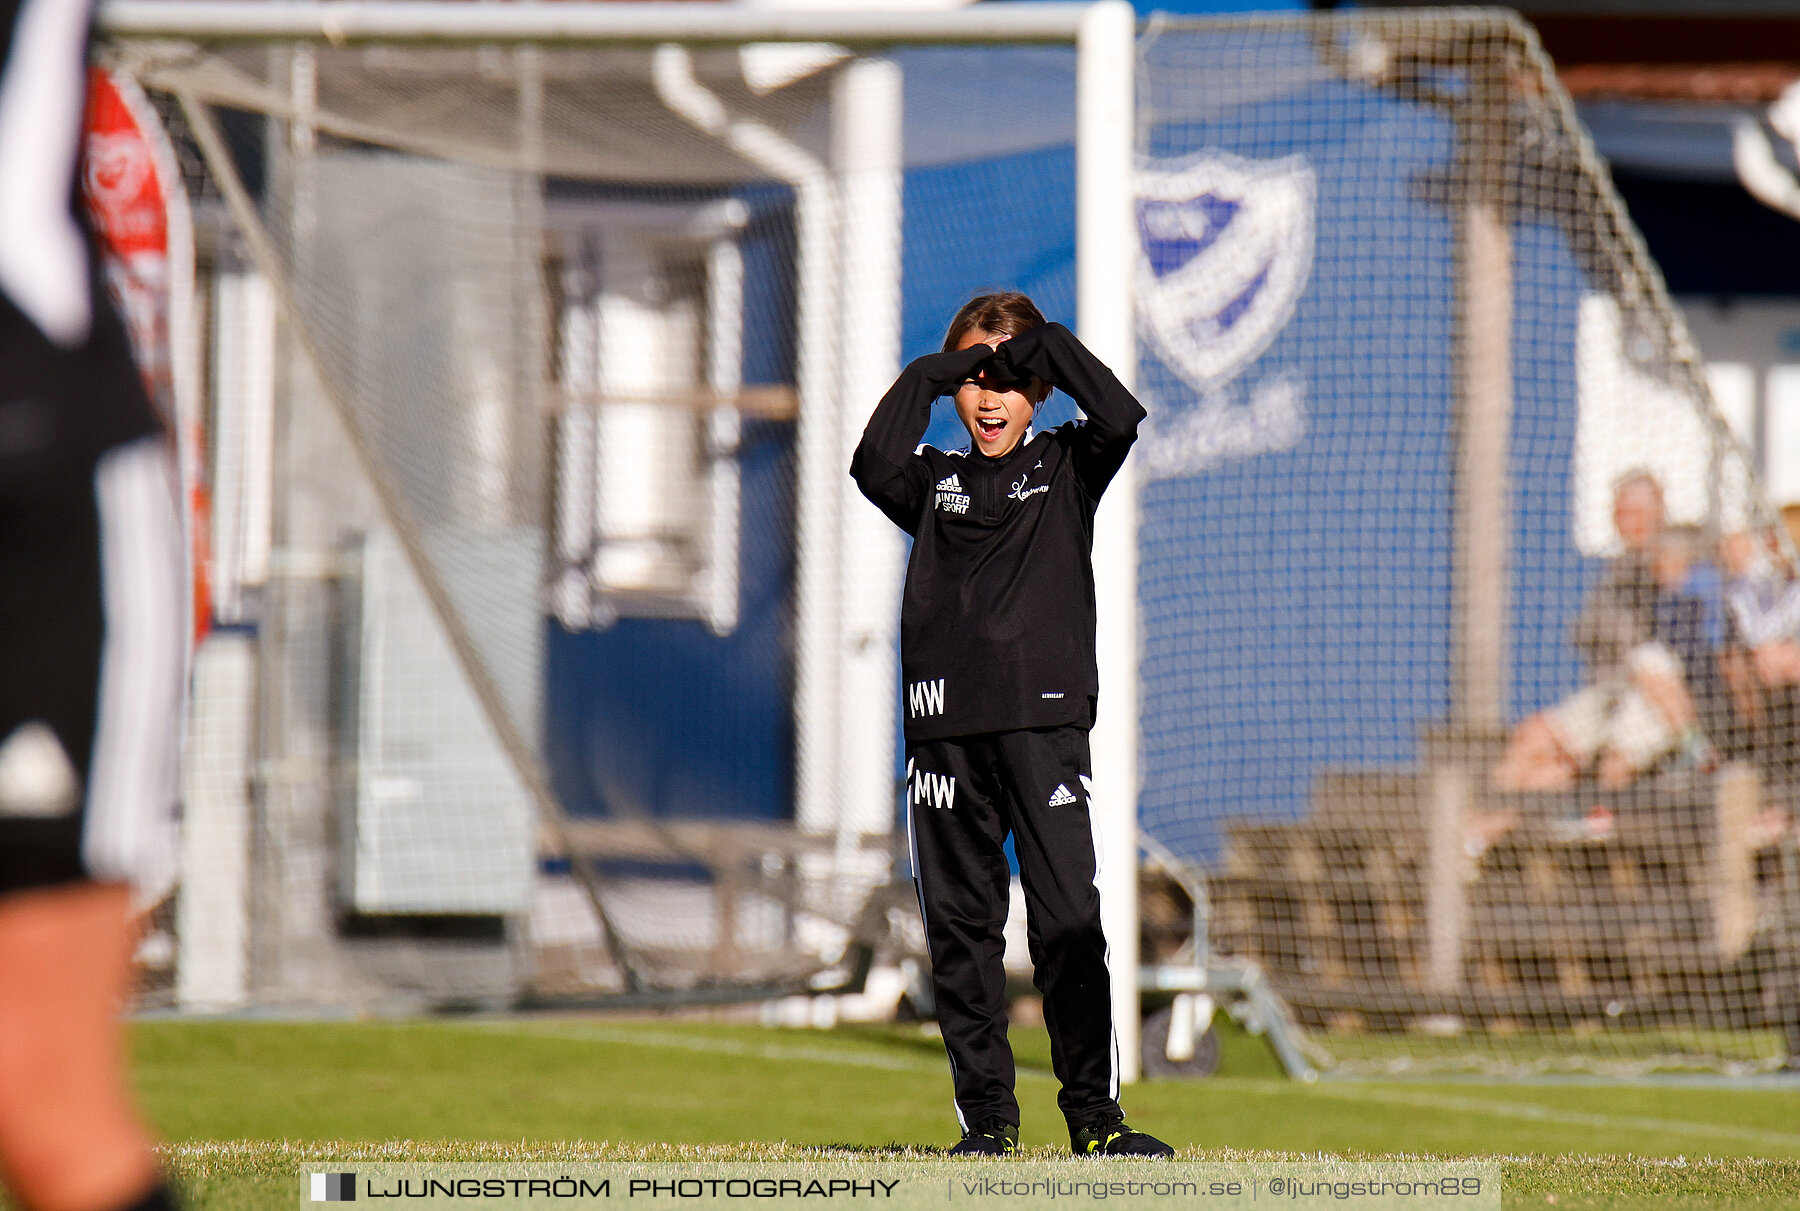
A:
(1689, 619)
(1764, 600)
(1637, 708)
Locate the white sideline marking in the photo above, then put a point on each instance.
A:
(1527, 1111)
(761, 1051)
(1532, 1112)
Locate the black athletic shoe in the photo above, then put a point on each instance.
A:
(995, 1137)
(1111, 1137)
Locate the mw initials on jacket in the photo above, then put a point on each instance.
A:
(925, 698)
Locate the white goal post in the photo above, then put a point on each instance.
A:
(1103, 34)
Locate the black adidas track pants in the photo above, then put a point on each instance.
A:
(964, 795)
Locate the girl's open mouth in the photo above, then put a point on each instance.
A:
(989, 429)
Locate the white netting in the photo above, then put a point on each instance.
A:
(569, 642)
(1402, 347)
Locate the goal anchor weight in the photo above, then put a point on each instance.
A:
(1261, 1011)
(1207, 982)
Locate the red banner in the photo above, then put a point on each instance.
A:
(124, 191)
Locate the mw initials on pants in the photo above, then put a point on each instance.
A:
(935, 790)
(925, 698)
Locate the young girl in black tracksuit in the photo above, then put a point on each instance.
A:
(997, 656)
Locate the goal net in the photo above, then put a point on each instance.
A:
(556, 652)
(1451, 676)
(566, 647)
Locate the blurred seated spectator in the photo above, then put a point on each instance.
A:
(1763, 600)
(1636, 709)
(1690, 619)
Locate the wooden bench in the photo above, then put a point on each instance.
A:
(1382, 902)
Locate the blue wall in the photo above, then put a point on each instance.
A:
(1296, 604)
(1006, 223)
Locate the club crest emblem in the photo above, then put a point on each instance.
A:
(1225, 249)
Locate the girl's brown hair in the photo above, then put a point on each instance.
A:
(1004, 313)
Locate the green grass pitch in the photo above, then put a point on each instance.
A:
(242, 1104)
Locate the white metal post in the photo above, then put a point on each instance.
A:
(244, 343)
(212, 914)
(866, 160)
(724, 427)
(817, 706)
(1105, 267)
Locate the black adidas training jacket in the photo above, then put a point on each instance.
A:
(997, 620)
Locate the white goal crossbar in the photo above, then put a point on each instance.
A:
(441, 23)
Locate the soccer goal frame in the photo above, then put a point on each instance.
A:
(1103, 34)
